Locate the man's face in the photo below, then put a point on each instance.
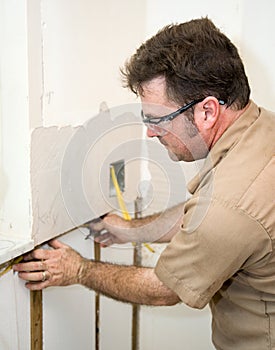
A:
(181, 137)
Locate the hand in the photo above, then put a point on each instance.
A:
(46, 267)
(117, 230)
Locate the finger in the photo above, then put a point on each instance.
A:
(33, 276)
(29, 256)
(37, 286)
(102, 245)
(105, 240)
(102, 237)
(107, 243)
(39, 254)
(56, 244)
(30, 266)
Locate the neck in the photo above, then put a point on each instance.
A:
(227, 118)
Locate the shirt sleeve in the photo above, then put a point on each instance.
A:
(201, 257)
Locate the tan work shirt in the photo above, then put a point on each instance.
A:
(225, 252)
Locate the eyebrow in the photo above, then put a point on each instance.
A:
(152, 116)
(149, 115)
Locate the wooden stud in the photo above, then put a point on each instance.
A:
(36, 307)
(137, 261)
(97, 254)
(135, 307)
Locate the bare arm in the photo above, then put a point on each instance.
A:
(138, 285)
(63, 266)
(160, 227)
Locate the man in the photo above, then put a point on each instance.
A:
(195, 100)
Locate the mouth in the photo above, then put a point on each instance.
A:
(162, 141)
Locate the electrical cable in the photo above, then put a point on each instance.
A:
(122, 205)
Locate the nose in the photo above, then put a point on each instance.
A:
(151, 133)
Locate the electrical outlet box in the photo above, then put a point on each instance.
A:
(119, 168)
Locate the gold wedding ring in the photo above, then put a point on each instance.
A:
(44, 276)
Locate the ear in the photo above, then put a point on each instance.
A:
(208, 112)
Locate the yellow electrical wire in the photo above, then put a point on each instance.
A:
(121, 202)
(9, 265)
(122, 205)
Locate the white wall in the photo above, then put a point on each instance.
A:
(15, 140)
(258, 50)
(83, 48)
(249, 24)
(15, 316)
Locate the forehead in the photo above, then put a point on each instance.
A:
(154, 94)
(154, 90)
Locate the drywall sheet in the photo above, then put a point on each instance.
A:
(70, 169)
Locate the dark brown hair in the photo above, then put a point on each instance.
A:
(196, 59)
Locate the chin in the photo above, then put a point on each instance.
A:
(175, 157)
(180, 157)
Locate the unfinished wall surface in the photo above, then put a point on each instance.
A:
(70, 170)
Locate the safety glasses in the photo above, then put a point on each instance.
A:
(159, 125)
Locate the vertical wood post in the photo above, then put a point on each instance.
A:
(97, 301)
(137, 260)
(36, 307)
(136, 308)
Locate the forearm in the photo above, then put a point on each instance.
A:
(138, 285)
(160, 227)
